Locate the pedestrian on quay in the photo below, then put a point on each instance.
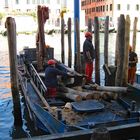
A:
(133, 60)
(89, 56)
(51, 81)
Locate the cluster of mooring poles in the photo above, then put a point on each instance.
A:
(116, 75)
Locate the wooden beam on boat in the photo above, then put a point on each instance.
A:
(112, 89)
(106, 95)
(84, 95)
(73, 97)
(97, 94)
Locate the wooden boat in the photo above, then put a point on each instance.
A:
(77, 113)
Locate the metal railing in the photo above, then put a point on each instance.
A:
(37, 80)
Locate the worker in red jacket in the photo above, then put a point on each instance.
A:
(51, 81)
(133, 60)
(89, 56)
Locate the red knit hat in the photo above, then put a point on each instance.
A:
(51, 62)
(88, 34)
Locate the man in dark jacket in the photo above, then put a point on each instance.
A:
(51, 82)
(133, 60)
(89, 56)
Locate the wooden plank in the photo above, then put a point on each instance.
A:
(41, 97)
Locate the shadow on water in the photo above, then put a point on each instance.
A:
(27, 130)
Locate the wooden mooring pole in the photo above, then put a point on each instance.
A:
(106, 39)
(62, 41)
(89, 25)
(134, 34)
(126, 50)
(69, 44)
(11, 32)
(78, 56)
(41, 38)
(97, 50)
(120, 47)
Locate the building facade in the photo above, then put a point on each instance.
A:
(111, 8)
(55, 8)
(12, 6)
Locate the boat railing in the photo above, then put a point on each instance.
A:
(37, 80)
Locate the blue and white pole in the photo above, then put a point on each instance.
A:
(76, 16)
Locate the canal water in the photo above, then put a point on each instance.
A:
(7, 129)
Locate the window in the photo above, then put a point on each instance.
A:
(103, 8)
(33, 1)
(42, 1)
(81, 4)
(128, 7)
(48, 1)
(17, 1)
(96, 9)
(58, 1)
(118, 7)
(110, 7)
(137, 7)
(106, 7)
(38, 1)
(28, 1)
(57, 11)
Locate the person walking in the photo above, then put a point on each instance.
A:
(133, 60)
(89, 56)
(51, 81)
